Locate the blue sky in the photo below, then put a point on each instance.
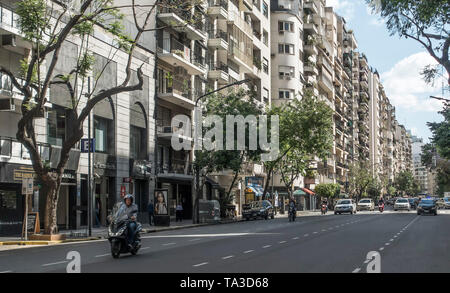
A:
(399, 62)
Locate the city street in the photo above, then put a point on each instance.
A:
(332, 243)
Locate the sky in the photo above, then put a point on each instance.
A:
(399, 62)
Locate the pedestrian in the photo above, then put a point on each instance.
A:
(179, 213)
(150, 210)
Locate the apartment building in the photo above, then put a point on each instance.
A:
(122, 126)
(420, 172)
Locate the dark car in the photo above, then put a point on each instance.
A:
(412, 203)
(258, 209)
(427, 206)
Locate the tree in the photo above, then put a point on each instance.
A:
(306, 132)
(423, 21)
(240, 103)
(327, 190)
(441, 133)
(360, 178)
(404, 182)
(46, 25)
(374, 189)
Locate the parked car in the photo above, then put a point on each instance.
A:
(391, 201)
(412, 203)
(427, 206)
(402, 204)
(258, 209)
(446, 202)
(345, 206)
(366, 204)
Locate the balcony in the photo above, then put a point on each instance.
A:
(177, 92)
(218, 71)
(8, 91)
(241, 58)
(310, 7)
(311, 49)
(179, 22)
(218, 40)
(325, 82)
(12, 151)
(235, 19)
(166, 132)
(176, 169)
(311, 28)
(177, 54)
(310, 68)
(218, 9)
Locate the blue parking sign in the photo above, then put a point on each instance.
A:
(85, 145)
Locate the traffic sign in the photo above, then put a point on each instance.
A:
(85, 145)
(27, 186)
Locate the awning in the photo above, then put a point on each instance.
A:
(309, 192)
(299, 192)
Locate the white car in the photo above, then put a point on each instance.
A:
(366, 204)
(345, 206)
(402, 204)
(446, 202)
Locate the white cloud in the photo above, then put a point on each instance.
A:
(345, 8)
(406, 88)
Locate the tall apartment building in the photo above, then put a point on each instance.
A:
(122, 126)
(228, 42)
(420, 172)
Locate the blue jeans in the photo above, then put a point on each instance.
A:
(132, 226)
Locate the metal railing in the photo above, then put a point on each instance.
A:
(171, 45)
(175, 167)
(218, 66)
(218, 34)
(217, 3)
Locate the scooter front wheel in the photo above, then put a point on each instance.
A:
(115, 249)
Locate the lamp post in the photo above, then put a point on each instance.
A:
(198, 112)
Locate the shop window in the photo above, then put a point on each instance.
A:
(8, 200)
(102, 128)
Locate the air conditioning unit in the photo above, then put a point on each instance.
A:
(9, 40)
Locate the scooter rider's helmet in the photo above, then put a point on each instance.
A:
(128, 196)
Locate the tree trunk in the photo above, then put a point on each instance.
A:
(51, 190)
(269, 176)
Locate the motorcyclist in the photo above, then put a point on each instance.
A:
(126, 206)
(292, 205)
(325, 202)
(381, 202)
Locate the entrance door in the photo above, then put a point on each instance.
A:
(185, 194)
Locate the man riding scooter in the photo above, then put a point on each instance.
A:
(131, 210)
(324, 207)
(381, 205)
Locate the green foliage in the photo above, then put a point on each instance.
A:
(32, 19)
(424, 21)
(85, 64)
(404, 182)
(328, 190)
(24, 66)
(360, 178)
(441, 133)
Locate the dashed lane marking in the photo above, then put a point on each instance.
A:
(54, 263)
(248, 251)
(200, 264)
(227, 257)
(356, 270)
(266, 246)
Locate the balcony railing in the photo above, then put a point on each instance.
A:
(6, 85)
(176, 87)
(218, 34)
(170, 45)
(175, 167)
(218, 3)
(218, 66)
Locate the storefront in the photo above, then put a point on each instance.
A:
(11, 199)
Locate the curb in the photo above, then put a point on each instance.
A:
(34, 242)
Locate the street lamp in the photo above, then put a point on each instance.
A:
(196, 184)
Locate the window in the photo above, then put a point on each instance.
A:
(265, 38)
(285, 94)
(265, 65)
(265, 95)
(286, 49)
(8, 200)
(101, 134)
(285, 26)
(265, 9)
(56, 126)
(137, 148)
(286, 72)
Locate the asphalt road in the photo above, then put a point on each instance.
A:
(332, 243)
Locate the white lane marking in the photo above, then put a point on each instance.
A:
(205, 235)
(102, 255)
(323, 230)
(381, 248)
(200, 264)
(227, 257)
(336, 226)
(266, 246)
(54, 263)
(4, 272)
(196, 239)
(315, 232)
(387, 244)
(395, 236)
(356, 270)
(295, 238)
(248, 251)
(306, 235)
(281, 242)
(171, 243)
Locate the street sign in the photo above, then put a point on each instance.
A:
(27, 186)
(123, 190)
(85, 145)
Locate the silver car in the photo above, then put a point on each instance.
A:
(402, 204)
(366, 204)
(345, 206)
